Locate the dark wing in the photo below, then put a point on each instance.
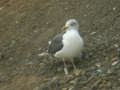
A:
(56, 44)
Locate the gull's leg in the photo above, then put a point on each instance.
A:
(74, 66)
(65, 67)
(75, 71)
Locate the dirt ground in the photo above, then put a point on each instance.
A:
(26, 26)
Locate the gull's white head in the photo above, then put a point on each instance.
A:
(71, 24)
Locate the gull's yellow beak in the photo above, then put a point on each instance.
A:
(64, 27)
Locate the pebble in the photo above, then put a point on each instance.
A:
(36, 88)
(39, 49)
(43, 54)
(73, 81)
(65, 8)
(85, 15)
(11, 58)
(35, 31)
(59, 69)
(16, 22)
(98, 64)
(30, 63)
(109, 71)
(1, 8)
(12, 43)
(109, 84)
(47, 23)
(71, 88)
(99, 70)
(92, 33)
(42, 65)
(115, 63)
(64, 88)
(114, 8)
(96, 73)
(118, 49)
(116, 45)
(49, 42)
(66, 71)
(87, 6)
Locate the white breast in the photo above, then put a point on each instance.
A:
(73, 45)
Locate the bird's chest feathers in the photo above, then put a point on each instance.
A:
(71, 37)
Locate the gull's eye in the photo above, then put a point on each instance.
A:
(72, 24)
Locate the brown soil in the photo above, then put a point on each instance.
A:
(26, 26)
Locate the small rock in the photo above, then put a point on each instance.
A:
(39, 49)
(59, 69)
(99, 70)
(12, 43)
(42, 65)
(49, 42)
(47, 23)
(92, 33)
(16, 22)
(109, 84)
(96, 73)
(11, 58)
(35, 31)
(1, 8)
(73, 81)
(66, 71)
(109, 71)
(116, 45)
(118, 49)
(36, 88)
(98, 64)
(115, 63)
(43, 54)
(119, 79)
(71, 88)
(54, 79)
(87, 6)
(30, 63)
(114, 8)
(65, 8)
(64, 88)
(85, 15)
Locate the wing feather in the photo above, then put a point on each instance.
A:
(56, 44)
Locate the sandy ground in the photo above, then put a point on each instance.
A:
(26, 26)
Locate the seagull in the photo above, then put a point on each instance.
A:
(68, 44)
